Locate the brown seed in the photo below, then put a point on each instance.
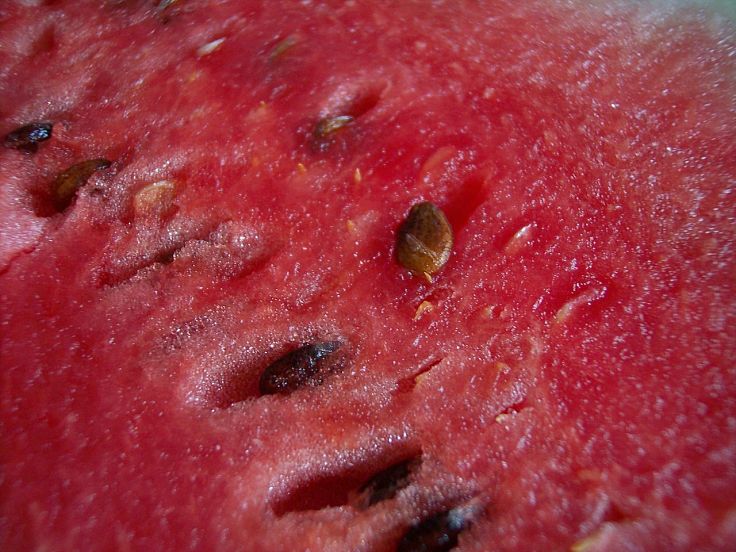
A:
(385, 484)
(67, 183)
(436, 533)
(26, 138)
(424, 240)
(297, 368)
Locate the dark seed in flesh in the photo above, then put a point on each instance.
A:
(297, 368)
(330, 125)
(424, 240)
(166, 9)
(436, 533)
(26, 138)
(163, 4)
(385, 484)
(67, 183)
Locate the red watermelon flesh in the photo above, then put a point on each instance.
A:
(566, 381)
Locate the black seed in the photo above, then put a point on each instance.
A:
(297, 368)
(67, 183)
(385, 484)
(26, 138)
(424, 240)
(436, 533)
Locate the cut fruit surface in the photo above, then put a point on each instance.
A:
(216, 333)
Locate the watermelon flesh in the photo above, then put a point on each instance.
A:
(566, 381)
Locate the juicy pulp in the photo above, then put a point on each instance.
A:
(567, 378)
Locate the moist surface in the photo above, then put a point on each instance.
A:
(566, 379)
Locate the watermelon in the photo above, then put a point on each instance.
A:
(367, 276)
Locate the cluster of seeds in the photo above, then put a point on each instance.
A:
(64, 188)
(423, 245)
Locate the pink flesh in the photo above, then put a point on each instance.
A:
(578, 376)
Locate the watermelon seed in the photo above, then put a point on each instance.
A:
(326, 129)
(357, 484)
(434, 166)
(436, 533)
(282, 48)
(512, 410)
(519, 240)
(297, 368)
(327, 126)
(423, 308)
(155, 200)
(165, 9)
(67, 184)
(27, 137)
(387, 483)
(210, 47)
(164, 4)
(585, 298)
(407, 384)
(424, 240)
